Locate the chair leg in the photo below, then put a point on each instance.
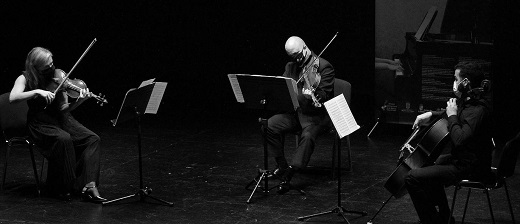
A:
(509, 202)
(8, 149)
(34, 169)
(466, 205)
(43, 167)
(453, 201)
(489, 204)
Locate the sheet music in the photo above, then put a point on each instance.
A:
(146, 82)
(426, 23)
(236, 88)
(155, 98)
(341, 116)
(397, 72)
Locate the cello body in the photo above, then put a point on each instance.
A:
(425, 153)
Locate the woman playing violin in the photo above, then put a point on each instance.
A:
(71, 149)
(311, 118)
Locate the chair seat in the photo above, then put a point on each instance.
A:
(477, 184)
(18, 140)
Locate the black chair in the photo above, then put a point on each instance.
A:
(505, 169)
(13, 118)
(340, 87)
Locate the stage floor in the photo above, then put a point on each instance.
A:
(203, 169)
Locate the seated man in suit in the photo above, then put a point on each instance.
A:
(310, 118)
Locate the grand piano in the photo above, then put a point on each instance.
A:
(429, 61)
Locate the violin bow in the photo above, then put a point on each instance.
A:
(73, 67)
(326, 46)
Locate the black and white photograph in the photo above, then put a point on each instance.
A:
(361, 112)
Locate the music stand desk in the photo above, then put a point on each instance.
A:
(134, 105)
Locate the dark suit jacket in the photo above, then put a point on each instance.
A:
(307, 113)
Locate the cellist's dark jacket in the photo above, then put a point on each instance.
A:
(471, 136)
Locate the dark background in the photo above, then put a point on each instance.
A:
(192, 46)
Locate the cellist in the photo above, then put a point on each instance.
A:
(71, 149)
(468, 151)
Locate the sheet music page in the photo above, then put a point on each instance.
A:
(146, 82)
(236, 88)
(341, 116)
(426, 23)
(155, 98)
(398, 73)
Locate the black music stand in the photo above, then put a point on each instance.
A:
(134, 105)
(267, 93)
(339, 209)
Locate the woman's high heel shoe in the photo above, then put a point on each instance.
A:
(91, 194)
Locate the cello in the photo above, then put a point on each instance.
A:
(423, 154)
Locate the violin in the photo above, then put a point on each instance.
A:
(312, 77)
(72, 87)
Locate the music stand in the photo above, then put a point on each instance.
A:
(145, 99)
(266, 93)
(341, 117)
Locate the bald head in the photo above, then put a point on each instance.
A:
(297, 49)
(294, 45)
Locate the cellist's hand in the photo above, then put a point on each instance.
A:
(48, 96)
(451, 107)
(421, 119)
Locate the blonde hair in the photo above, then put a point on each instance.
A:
(37, 58)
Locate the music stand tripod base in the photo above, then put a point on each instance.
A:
(267, 93)
(134, 104)
(263, 175)
(338, 209)
(142, 193)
